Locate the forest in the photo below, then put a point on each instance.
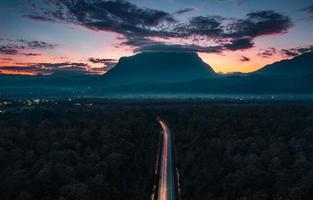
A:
(244, 152)
(107, 150)
(62, 153)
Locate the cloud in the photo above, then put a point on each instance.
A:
(289, 52)
(39, 18)
(141, 26)
(244, 59)
(178, 48)
(8, 50)
(14, 47)
(209, 26)
(38, 44)
(184, 10)
(144, 45)
(103, 60)
(296, 51)
(31, 54)
(308, 10)
(260, 23)
(117, 16)
(237, 2)
(60, 65)
(6, 59)
(78, 67)
(292, 52)
(239, 44)
(266, 53)
(51, 68)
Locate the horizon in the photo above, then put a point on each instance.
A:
(89, 36)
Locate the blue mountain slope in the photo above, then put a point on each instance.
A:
(299, 66)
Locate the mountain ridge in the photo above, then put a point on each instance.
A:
(175, 73)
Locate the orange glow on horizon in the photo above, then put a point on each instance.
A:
(225, 62)
(12, 72)
(228, 62)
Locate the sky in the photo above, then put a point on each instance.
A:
(44, 37)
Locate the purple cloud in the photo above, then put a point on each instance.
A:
(139, 25)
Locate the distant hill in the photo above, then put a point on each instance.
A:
(159, 67)
(298, 66)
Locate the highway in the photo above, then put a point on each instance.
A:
(166, 190)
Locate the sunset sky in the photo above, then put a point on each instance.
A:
(89, 36)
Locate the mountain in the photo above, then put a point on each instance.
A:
(287, 76)
(159, 67)
(166, 73)
(298, 66)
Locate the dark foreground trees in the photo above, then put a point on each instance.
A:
(224, 151)
(80, 154)
(246, 152)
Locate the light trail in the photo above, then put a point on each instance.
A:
(166, 181)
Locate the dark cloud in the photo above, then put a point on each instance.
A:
(178, 48)
(210, 26)
(308, 10)
(305, 49)
(237, 2)
(266, 53)
(61, 65)
(292, 52)
(8, 50)
(289, 52)
(144, 44)
(239, 44)
(6, 59)
(51, 68)
(103, 60)
(117, 16)
(37, 44)
(296, 51)
(184, 10)
(76, 67)
(260, 23)
(139, 25)
(31, 54)
(13, 47)
(244, 59)
(39, 18)
(107, 63)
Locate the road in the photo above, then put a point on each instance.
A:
(166, 190)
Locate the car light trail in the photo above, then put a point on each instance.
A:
(166, 180)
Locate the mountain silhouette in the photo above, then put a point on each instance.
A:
(186, 73)
(298, 66)
(167, 73)
(159, 67)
